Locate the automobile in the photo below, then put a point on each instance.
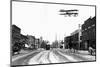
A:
(47, 47)
(61, 47)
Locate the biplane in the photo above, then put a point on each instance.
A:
(73, 12)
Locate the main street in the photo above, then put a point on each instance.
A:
(50, 56)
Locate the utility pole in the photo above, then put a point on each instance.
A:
(63, 41)
(56, 41)
(79, 35)
(56, 37)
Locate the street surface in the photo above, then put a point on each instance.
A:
(50, 56)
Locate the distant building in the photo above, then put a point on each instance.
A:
(89, 33)
(37, 42)
(31, 41)
(40, 42)
(55, 44)
(76, 38)
(67, 41)
(60, 43)
(23, 40)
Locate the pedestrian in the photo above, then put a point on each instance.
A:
(91, 50)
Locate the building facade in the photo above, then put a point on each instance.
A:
(23, 40)
(40, 42)
(31, 41)
(37, 43)
(76, 39)
(89, 33)
(67, 41)
(17, 37)
(16, 34)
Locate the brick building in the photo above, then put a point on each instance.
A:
(75, 39)
(89, 33)
(16, 34)
(67, 41)
(17, 37)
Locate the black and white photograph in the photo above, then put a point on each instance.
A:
(51, 33)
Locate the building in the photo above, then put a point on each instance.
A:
(89, 33)
(76, 39)
(55, 44)
(16, 34)
(67, 41)
(37, 43)
(40, 42)
(61, 44)
(31, 41)
(23, 40)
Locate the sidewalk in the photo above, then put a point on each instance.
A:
(80, 53)
(86, 54)
(83, 52)
(23, 53)
(77, 51)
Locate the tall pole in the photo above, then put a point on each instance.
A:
(63, 41)
(56, 45)
(79, 35)
(56, 37)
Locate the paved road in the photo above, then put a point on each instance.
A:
(51, 56)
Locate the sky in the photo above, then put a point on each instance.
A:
(44, 20)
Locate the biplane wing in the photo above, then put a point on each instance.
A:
(69, 14)
(62, 10)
